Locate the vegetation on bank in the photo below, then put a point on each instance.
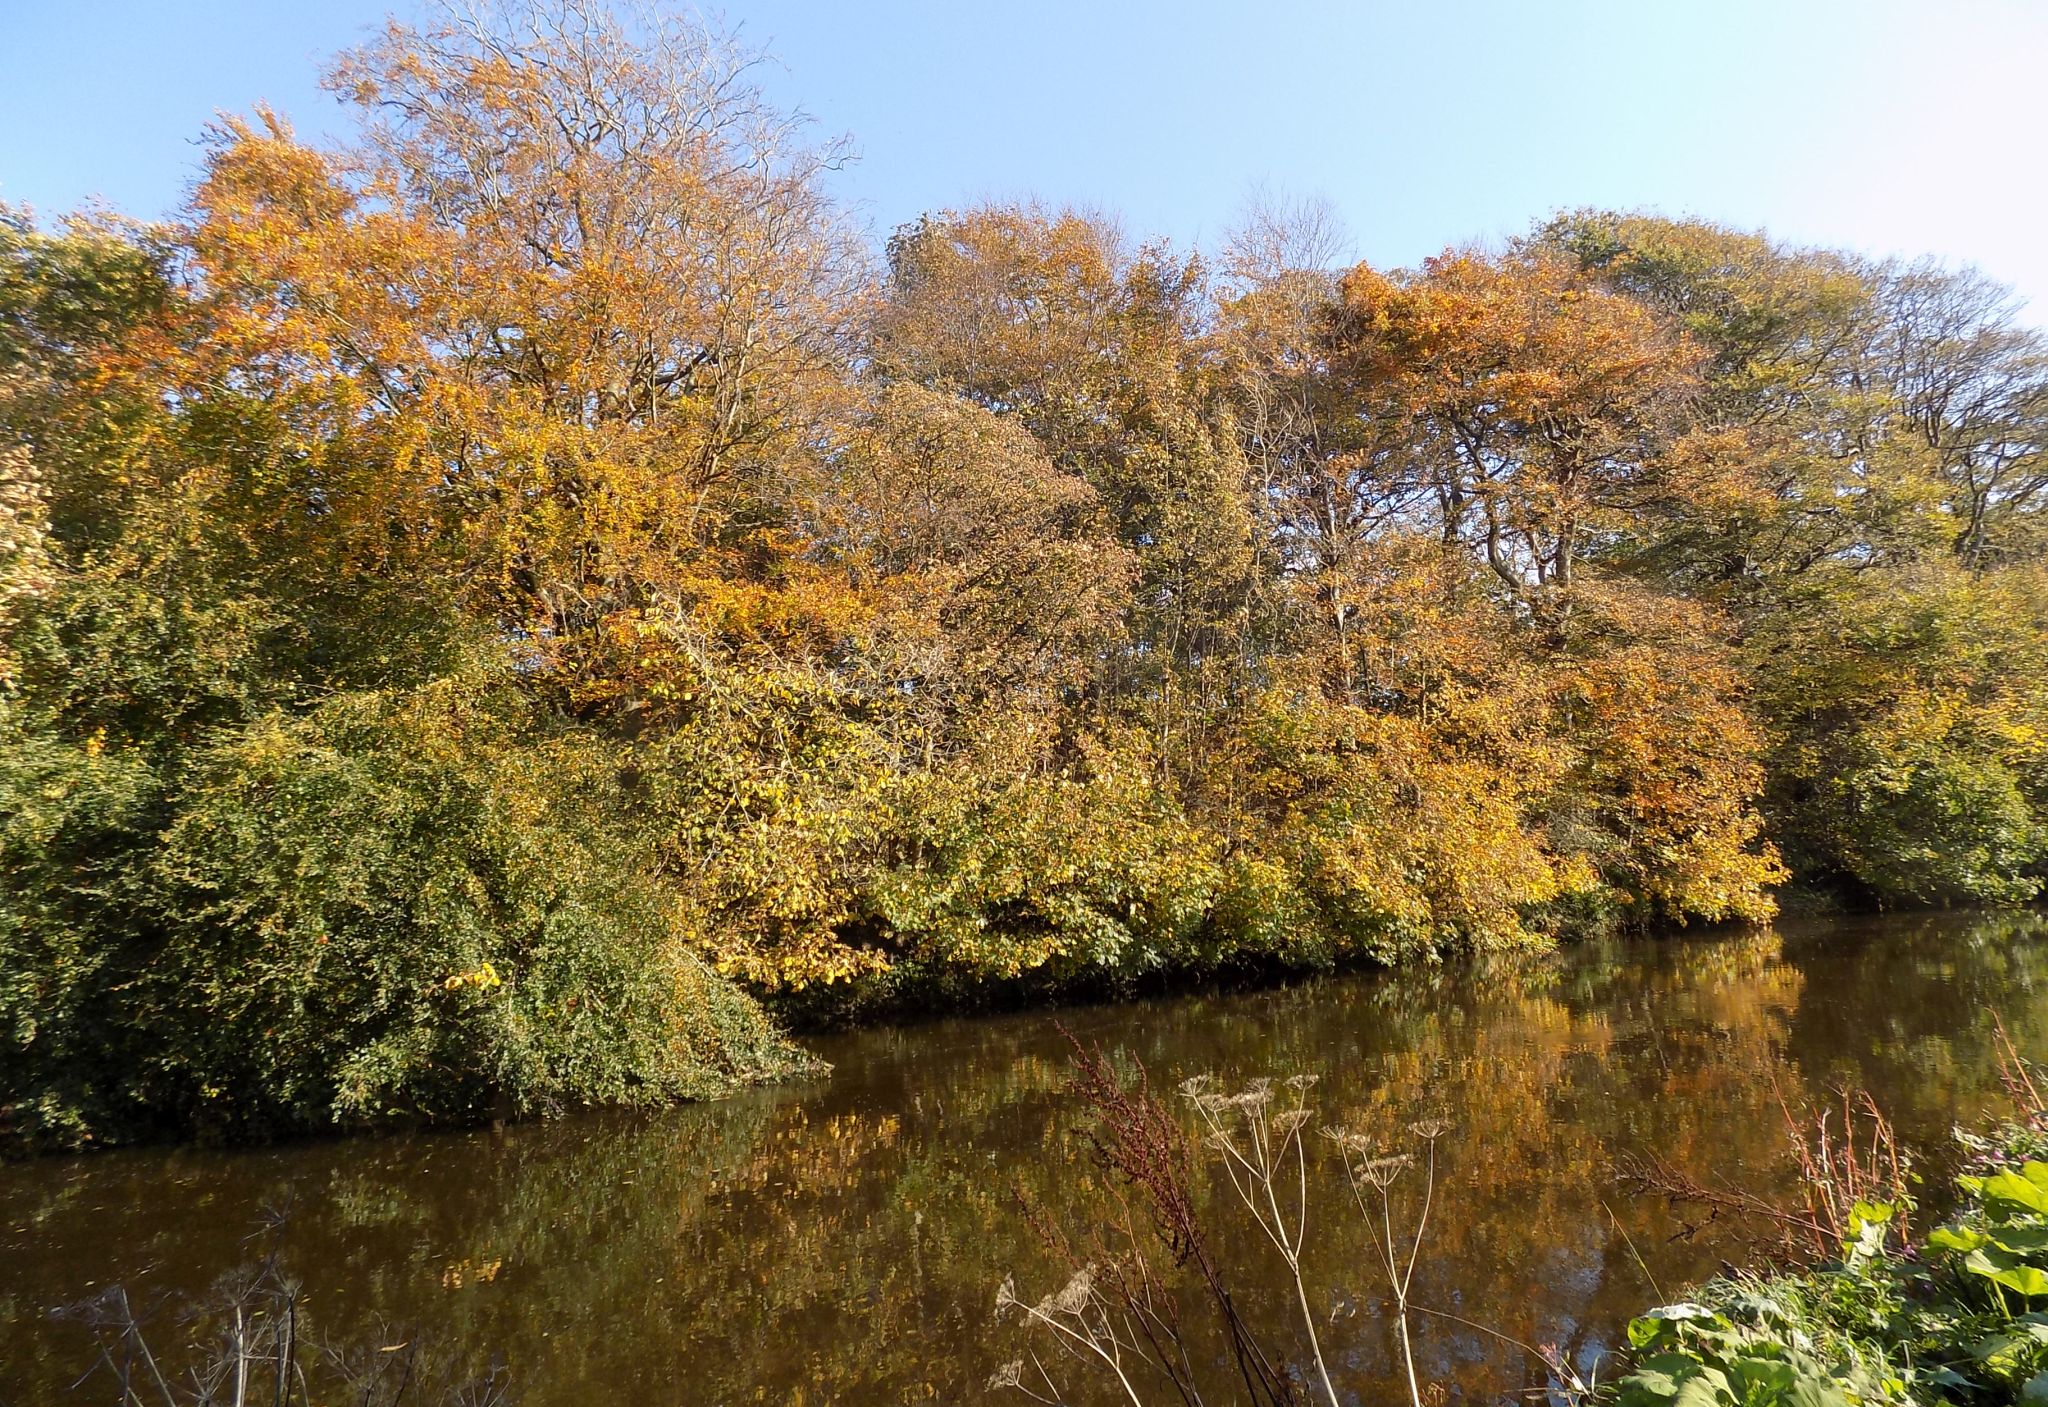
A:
(485, 604)
(1957, 1315)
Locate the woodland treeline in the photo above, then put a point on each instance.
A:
(495, 605)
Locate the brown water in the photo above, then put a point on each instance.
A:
(841, 1242)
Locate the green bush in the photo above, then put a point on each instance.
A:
(1756, 1343)
(1934, 822)
(1091, 876)
(404, 907)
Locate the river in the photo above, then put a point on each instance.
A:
(842, 1241)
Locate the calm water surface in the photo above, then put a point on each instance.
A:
(841, 1242)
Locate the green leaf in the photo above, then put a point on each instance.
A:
(2006, 1191)
(1653, 1326)
(1868, 1223)
(2021, 1240)
(1701, 1392)
(2003, 1268)
(1962, 1239)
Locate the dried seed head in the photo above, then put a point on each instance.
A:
(1381, 1172)
(1254, 1099)
(1194, 1086)
(1301, 1082)
(1430, 1130)
(1348, 1140)
(1075, 1296)
(1011, 1374)
(1006, 1294)
(1289, 1121)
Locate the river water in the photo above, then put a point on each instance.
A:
(841, 1242)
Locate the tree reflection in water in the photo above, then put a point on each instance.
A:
(841, 1242)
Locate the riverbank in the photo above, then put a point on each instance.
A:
(1907, 1309)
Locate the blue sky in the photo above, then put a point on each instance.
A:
(1883, 125)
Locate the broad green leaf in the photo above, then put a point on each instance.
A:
(1956, 1238)
(1653, 1325)
(2008, 1270)
(2006, 1191)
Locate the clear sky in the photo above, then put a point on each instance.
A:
(1893, 126)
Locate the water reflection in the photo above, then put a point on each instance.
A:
(841, 1242)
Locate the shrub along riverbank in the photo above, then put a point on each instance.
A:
(469, 634)
(1959, 1315)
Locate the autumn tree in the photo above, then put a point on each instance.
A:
(294, 833)
(1967, 384)
(1886, 412)
(999, 580)
(1547, 415)
(585, 280)
(1490, 433)
(1096, 349)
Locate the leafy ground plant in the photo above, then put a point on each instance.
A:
(1961, 1317)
